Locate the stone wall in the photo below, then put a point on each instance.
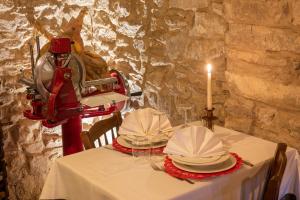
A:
(161, 45)
(263, 69)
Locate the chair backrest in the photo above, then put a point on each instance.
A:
(275, 174)
(101, 128)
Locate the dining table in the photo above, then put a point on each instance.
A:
(104, 173)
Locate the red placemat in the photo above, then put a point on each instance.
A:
(123, 149)
(174, 171)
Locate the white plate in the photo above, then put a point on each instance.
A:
(143, 140)
(228, 164)
(200, 161)
(127, 144)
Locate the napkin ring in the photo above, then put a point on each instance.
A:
(209, 118)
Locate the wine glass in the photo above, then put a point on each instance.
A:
(156, 138)
(139, 143)
(186, 110)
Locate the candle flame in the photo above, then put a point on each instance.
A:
(209, 68)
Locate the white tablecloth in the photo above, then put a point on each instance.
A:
(106, 174)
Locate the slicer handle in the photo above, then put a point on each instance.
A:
(134, 94)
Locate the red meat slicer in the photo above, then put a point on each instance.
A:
(58, 89)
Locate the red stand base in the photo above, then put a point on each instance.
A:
(71, 131)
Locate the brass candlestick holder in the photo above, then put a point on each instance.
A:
(209, 118)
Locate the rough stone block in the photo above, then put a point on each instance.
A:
(276, 137)
(33, 148)
(204, 49)
(257, 57)
(188, 4)
(238, 106)
(265, 134)
(177, 19)
(127, 29)
(278, 120)
(160, 61)
(208, 25)
(270, 13)
(296, 13)
(218, 8)
(294, 124)
(158, 75)
(81, 2)
(242, 124)
(283, 96)
(176, 45)
(279, 74)
(249, 37)
(239, 113)
(104, 34)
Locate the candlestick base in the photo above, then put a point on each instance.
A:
(209, 118)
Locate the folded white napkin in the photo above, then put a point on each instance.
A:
(144, 122)
(194, 141)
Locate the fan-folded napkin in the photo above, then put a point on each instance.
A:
(195, 141)
(144, 122)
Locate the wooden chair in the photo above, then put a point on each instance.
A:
(101, 128)
(275, 173)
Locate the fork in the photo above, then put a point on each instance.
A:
(157, 168)
(246, 162)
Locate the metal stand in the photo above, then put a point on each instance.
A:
(209, 118)
(71, 136)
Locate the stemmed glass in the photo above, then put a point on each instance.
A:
(155, 138)
(139, 154)
(149, 141)
(142, 141)
(186, 109)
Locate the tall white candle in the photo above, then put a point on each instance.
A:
(209, 93)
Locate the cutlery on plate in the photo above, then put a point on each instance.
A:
(187, 180)
(246, 162)
(157, 168)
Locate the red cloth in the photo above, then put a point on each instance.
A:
(174, 171)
